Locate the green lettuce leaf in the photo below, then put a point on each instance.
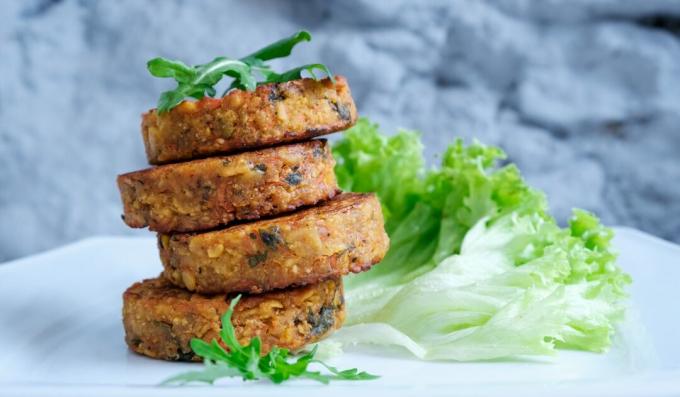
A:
(477, 268)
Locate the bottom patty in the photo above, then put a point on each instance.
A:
(160, 319)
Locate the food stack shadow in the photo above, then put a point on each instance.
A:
(245, 201)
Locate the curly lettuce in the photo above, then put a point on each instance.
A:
(477, 268)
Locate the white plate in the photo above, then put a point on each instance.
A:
(61, 334)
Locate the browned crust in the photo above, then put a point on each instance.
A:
(160, 320)
(340, 236)
(203, 194)
(274, 113)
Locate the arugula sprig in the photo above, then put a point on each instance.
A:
(197, 81)
(248, 72)
(245, 361)
(278, 49)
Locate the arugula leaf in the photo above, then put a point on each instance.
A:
(197, 81)
(348, 374)
(246, 361)
(200, 80)
(278, 49)
(296, 73)
(161, 67)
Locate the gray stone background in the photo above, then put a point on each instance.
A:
(584, 95)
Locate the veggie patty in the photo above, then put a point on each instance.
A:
(274, 113)
(203, 194)
(160, 319)
(340, 236)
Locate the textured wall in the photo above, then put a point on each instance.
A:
(583, 94)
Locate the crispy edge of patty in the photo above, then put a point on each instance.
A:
(274, 113)
(160, 319)
(203, 194)
(342, 235)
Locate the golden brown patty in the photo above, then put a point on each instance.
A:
(202, 194)
(273, 113)
(160, 320)
(342, 235)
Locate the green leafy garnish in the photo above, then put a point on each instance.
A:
(245, 361)
(277, 49)
(295, 73)
(197, 81)
(477, 268)
(248, 72)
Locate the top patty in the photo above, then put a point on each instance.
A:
(273, 113)
(202, 194)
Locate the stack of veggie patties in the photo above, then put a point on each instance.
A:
(246, 202)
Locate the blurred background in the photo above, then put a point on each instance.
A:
(584, 95)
